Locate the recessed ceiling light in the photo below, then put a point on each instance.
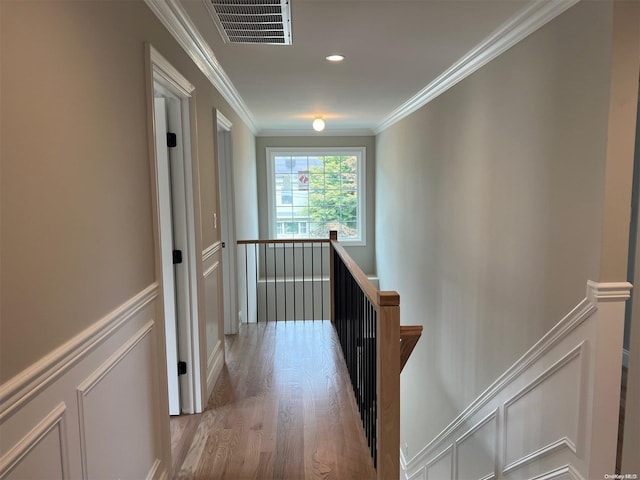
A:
(335, 58)
(318, 125)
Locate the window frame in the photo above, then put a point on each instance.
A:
(360, 152)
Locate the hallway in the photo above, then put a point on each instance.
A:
(282, 409)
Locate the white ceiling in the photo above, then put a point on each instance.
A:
(393, 50)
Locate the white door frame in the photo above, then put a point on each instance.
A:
(161, 72)
(166, 244)
(227, 224)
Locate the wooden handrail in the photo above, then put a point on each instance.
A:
(283, 240)
(375, 296)
(409, 336)
(386, 356)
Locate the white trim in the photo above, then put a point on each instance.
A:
(169, 74)
(303, 151)
(223, 122)
(559, 444)
(178, 23)
(211, 269)
(403, 466)
(161, 72)
(450, 449)
(21, 388)
(576, 352)
(417, 475)
(348, 132)
(571, 321)
(490, 476)
(56, 418)
(176, 20)
(558, 472)
(211, 250)
(214, 365)
(466, 435)
(491, 416)
(510, 33)
(226, 194)
(94, 379)
(601, 298)
(609, 292)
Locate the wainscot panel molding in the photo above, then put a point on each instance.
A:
(39, 375)
(214, 322)
(550, 415)
(211, 250)
(211, 269)
(98, 376)
(71, 414)
(51, 424)
(566, 472)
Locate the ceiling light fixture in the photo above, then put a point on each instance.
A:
(318, 124)
(335, 58)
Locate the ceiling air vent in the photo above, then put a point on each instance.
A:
(252, 21)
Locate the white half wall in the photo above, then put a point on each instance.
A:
(553, 414)
(93, 408)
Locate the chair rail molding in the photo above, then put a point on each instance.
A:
(550, 413)
(104, 381)
(38, 376)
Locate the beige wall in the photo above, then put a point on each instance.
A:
(77, 237)
(489, 211)
(245, 184)
(363, 255)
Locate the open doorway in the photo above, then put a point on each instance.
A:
(177, 261)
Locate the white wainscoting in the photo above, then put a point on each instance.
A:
(214, 366)
(214, 323)
(551, 415)
(94, 407)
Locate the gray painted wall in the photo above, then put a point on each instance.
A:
(489, 211)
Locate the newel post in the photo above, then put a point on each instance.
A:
(333, 237)
(388, 395)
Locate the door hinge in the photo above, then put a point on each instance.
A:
(223, 245)
(177, 256)
(172, 140)
(182, 368)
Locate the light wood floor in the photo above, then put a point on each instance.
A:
(282, 409)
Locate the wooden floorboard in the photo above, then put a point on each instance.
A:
(282, 409)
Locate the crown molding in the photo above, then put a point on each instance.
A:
(347, 132)
(175, 19)
(511, 32)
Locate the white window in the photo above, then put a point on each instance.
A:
(315, 190)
